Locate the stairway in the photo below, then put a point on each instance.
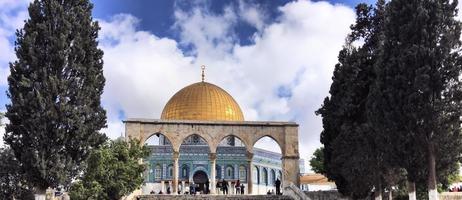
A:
(213, 197)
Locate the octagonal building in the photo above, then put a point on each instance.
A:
(202, 139)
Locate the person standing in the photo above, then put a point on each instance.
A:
(225, 187)
(207, 185)
(278, 186)
(237, 185)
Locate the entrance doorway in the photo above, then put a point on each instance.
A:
(201, 180)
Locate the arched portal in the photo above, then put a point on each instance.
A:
(266, 159)
(231, 154)
(159, 165)
(201, 181)
(284, 133)
(194, 154)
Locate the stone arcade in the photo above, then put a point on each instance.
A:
(202, 134)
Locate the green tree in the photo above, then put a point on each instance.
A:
(317, 161)
(55, 88)
(418, 84)
(353, 155)
(12, 184)
(112, 171)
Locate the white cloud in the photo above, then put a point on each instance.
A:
(12, 16)
(297, 52)
(252, 14)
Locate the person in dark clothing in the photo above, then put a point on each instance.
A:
(168, 190)
(278, 186)
(207, 185)
(237, 185)
(242, 188)
(225, 186)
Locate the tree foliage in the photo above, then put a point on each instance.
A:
(12, 184)
(317, 161)
(419, 87)
(353, 155)
(112, 171)
(55, 87)
(395, 98)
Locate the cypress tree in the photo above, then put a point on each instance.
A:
(418, 88)
(353, 155)
(55, 88)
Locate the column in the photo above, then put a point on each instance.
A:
(176, 155)
(249, 173)
(213, 171)
(290, 171)
(183, 189)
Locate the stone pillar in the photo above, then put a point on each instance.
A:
(176, 155)
(249, 173)
(183, 189)
(213, 171)
(290, 171)
(162, 187)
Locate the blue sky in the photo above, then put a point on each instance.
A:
(274, 57)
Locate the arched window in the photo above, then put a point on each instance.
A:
(256, 175)
(272, 178)
(265, 176)
(170, 171)
(185, 171)
(229, 172)
(217, 171)
(157, 172)
(242, 174)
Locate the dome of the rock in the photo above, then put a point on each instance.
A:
(202, 101)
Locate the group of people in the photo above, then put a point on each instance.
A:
(456, 189)
(223, 187)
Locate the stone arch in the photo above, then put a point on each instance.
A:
(285, 134)
(146, 137)
(207, 140)
(215, 145)
(280, 144)
(199, 168)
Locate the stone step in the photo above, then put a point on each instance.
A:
(213, 197)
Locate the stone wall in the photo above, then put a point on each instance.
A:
(327, 195)
(451, 196)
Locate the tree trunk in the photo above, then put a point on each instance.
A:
(40, 194)
(378, 191)
(390, 194)
(411, 190)
(432, 192)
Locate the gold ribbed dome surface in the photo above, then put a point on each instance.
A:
(202, 101)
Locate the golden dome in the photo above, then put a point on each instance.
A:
(202, 101)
